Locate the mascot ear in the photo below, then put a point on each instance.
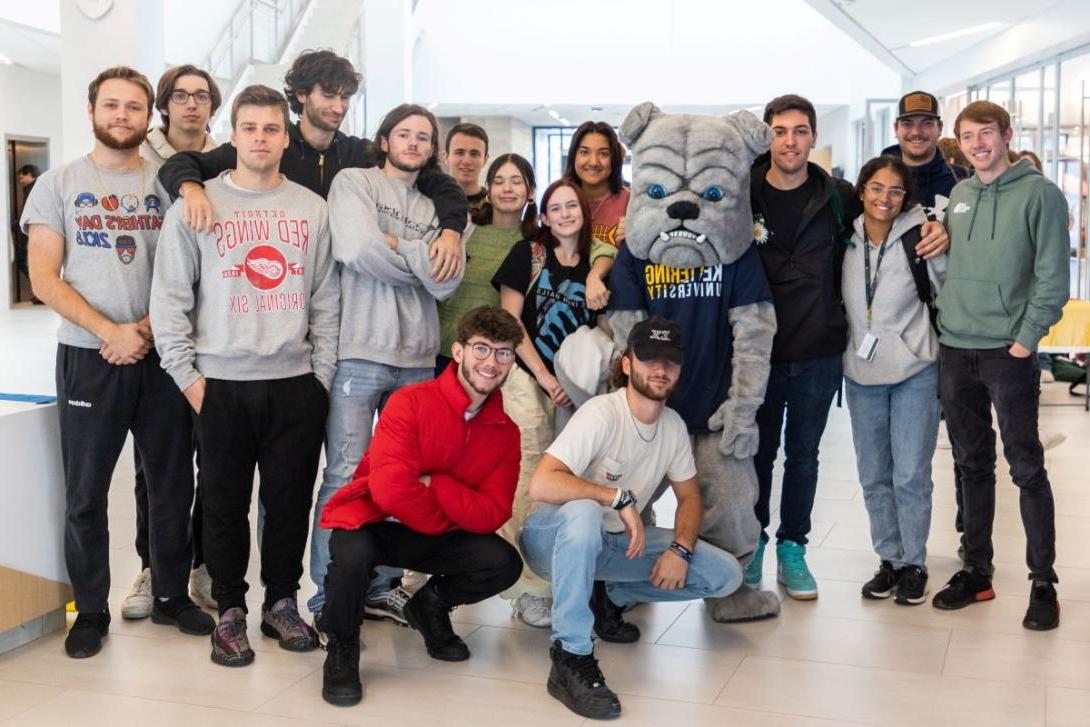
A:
(755, 133)
(636, 121)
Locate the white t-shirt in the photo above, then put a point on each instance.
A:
(606, 445)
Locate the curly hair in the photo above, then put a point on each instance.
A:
(324, 68)
(492, 323)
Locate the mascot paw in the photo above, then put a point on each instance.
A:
(745, 604)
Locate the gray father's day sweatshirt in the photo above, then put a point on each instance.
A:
(388, 312)
(254, 297)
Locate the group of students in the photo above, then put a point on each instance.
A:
(311, 280)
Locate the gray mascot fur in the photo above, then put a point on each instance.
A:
(689, 256)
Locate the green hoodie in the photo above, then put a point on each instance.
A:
(1008, 278)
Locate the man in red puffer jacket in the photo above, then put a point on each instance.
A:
(436, 483)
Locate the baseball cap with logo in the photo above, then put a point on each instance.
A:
(656, 337)
(918, 103)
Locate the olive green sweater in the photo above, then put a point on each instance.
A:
(1009, 271)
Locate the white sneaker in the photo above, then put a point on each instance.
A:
(412, 581)
(1052, 439)
(138, 603)
(533, 610)
(200, 587)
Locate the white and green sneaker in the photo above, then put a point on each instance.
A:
(752, 577)
(792, 572)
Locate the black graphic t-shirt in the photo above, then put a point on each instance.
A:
(699, 301)
(556, 304)
(783, 211)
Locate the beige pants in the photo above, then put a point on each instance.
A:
(530, 408)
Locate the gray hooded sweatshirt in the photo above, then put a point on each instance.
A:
(388, 311)
(906, 342)
(255, 297)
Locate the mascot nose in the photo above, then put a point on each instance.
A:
(683, 211)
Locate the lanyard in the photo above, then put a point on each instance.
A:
(871, 285)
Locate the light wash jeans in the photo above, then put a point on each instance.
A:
(569, 545)
(894, 428)
(360, 388)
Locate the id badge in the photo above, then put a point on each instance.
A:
(868, 347)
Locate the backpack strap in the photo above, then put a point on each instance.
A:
(918, 266)
(537, 263)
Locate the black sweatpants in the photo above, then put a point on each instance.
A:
(465, 567)
(276, 426)
(99, 404)
(140, 489)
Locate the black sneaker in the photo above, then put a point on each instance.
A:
(341, 673)
(230, 645)
(912, 586)
(608, 622)
(578, 683)
(965, 588)
(1043, 613)
(430, 615)
(281, 621)
(184, 614)
(85, 637)
(883, 583)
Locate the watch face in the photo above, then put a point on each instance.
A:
(94, 9)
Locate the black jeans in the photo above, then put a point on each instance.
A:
(804, 391)
(276, 426)
(971, 382)
(140, 489)
(99, 404)
(465, 567)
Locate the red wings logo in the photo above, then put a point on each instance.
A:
(265, 267)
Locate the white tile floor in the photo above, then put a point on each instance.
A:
(834, 661)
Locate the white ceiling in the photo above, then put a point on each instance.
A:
(893, 25)
(30, 48)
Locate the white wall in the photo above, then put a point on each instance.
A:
(36, 115)
(626, 51)
(193, 26)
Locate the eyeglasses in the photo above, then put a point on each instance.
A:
(202, 98)
(481, 352)
(895, 193)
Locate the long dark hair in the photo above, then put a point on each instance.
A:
(482, 215)
(616, 154)
(899, 168)
(395, 117)
(545, 236)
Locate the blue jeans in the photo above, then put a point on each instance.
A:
(360, 388)
(894, 428)
(803, 390)
(569, 545)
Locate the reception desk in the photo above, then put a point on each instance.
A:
(34, 584)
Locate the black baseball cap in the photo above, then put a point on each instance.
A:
(656, 337)
(918, 103)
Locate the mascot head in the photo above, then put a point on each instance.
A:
(690, 185)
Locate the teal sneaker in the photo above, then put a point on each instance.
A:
(792, 572)
(752, 576)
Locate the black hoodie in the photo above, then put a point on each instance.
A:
(935, 177)
(305, 165)
(805, 274)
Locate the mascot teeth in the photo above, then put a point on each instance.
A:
(664, 237)
(687, 234)
(701, 237)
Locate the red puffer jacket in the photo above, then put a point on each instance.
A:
(474, 465)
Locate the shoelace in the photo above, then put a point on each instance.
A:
(290, 620)
(586, 669)
(231, 633)
(794, 565)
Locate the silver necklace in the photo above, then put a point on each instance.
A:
(636, 426)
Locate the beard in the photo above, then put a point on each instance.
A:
(133, 140)
(398, 164)
(643, 387)
(318, 122)
(466, 373)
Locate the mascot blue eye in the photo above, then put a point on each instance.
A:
(713, 194)
(656, 191)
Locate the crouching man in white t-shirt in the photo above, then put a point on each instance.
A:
(585, 533)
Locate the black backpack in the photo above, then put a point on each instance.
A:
(918, 266)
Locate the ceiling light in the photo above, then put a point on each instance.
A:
(432, 105)
(5, 61)
(955, 34)
(564, 122)
(595, 108)
(554, 114)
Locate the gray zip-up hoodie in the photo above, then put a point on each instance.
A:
(906, 342)
(254, 297)
(388, 312)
